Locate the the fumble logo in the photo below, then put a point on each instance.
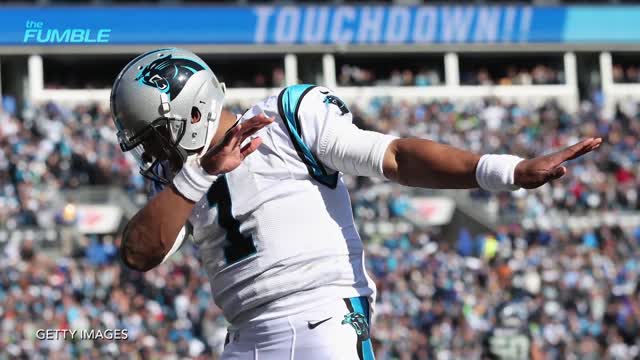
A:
(36, 32)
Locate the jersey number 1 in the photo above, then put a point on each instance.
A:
(238, 246)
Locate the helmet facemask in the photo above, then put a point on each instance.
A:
(156, 147)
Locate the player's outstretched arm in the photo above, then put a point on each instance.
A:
(152, 232)
(340, 145)
(424, 163)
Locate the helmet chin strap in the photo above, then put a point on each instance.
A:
(165, 107)
(212, 127)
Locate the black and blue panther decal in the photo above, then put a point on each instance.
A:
(359, 318)
(168, 74)
(358, 323)
(330, 99)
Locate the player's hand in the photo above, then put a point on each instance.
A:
(536, 172)
(228, 154)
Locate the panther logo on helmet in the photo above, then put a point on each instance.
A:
(168, 74)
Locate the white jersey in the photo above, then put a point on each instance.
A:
(277, 234)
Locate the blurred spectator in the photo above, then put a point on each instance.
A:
(53, 148)
(512, 75)
(277, 78)
(352, 75)
(626, 73)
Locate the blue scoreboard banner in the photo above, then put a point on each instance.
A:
(313, 25)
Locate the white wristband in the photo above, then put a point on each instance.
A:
(496, 172)
(193, 181)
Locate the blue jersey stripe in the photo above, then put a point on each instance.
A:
(358, 304)
(288, 106)
(361, 305)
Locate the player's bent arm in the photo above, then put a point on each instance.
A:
(151, 234)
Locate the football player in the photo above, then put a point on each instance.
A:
(262, 196)
(510, 338)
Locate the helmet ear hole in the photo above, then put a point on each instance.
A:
(196, 116)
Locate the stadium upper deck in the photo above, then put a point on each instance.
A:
(513, 50)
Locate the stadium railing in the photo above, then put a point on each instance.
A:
(566, 94)
(614, 92)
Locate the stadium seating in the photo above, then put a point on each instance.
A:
(436, 297)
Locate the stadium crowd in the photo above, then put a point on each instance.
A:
(356, 75)
(625, 73)
(353, 75)
(51, 148)
(513, 75)
(437, 298)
